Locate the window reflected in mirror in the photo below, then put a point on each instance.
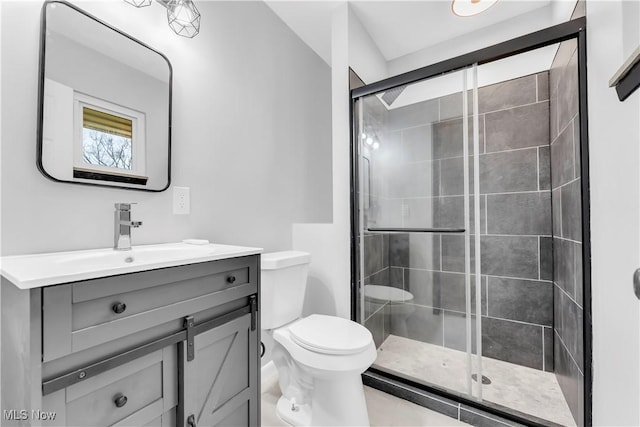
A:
(105, 104)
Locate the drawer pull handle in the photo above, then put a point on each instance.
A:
(119, 307)
(231, 279)
(120, 400)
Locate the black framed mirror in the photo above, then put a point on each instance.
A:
(104, 104)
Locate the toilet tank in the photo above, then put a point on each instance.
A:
(282, 285)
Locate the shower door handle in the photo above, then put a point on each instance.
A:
(636, 283)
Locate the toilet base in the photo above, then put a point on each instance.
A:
(329, 385)
(346, 408)
(299, 417)
(339, 401)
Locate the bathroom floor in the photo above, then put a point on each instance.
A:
(527, 390)
(384, 410)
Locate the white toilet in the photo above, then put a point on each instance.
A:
(319, 358)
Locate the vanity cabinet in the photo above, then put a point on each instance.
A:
(174, 346)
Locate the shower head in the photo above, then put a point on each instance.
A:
(392, 94)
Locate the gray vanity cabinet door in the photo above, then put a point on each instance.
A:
(220, 385)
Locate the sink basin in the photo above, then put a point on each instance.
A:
(31, 271)
(139, 254)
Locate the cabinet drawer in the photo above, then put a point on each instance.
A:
(97, 311)
(132, 394)
(81, 315)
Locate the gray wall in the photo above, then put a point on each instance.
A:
(567, 227)
(251, 135)
(516, 244)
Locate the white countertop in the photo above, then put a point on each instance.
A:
(38, 270)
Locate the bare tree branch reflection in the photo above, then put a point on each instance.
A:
(105, 149)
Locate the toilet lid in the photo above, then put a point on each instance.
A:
(387, 293)
(330, 335)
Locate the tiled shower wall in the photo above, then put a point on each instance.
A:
(416, 180)
(567, 226)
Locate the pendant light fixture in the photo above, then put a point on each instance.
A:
(182, 15)
(471, 7)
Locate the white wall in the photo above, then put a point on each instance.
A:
(251, 134)
(329, 284)
(364, 56)
(613, 31)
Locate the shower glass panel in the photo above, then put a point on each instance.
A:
(416, 214)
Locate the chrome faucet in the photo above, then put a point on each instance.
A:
(122, 227)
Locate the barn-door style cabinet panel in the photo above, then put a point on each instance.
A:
(173, 346)
(219, 381)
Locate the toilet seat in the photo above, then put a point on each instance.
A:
(330, 335)
(313, 357)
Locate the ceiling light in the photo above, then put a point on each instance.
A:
(471, 7)
(369, 140)
(139, 3)
(376, 145)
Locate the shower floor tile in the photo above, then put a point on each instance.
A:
(523, 389)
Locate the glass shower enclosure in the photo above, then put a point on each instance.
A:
(418, 211)
(470, 231)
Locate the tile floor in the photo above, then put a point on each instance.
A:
(384, 410)
(527, 390)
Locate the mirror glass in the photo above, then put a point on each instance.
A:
(105, 104)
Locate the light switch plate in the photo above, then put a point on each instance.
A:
(181, 201)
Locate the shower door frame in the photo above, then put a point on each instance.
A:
(573, 29)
